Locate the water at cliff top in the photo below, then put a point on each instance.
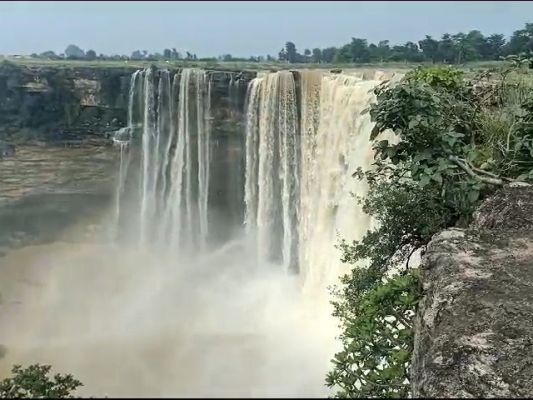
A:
(171, 309)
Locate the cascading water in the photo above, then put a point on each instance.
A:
(233, 92)
(341, 144)
(252, 154)
(122, 139)
(304, 138)
(169, 120)
(299, 184)
(139, 320)
(272, 162)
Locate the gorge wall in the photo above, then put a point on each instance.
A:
(473, 329)
(73, 104)
(57, 106)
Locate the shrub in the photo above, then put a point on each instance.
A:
(34, 382)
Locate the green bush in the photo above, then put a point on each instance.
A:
(34, 382)
(445, 77)
(378, 338)
(456, 145)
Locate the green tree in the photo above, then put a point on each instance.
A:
(282, 55)
(344, 54)
(167, 54)
(174, 54)
(446, 49)
(292, 54)
(495, 46)
(74, 52)
(137, 55)
(383, 50)
(359, 50)
(522, 40)
(34, 382)
(464, 48)
(317, 55)
(90, 55)
(329, 54)
(408, 52)
(429, 48)
(49, 54)
(477, 43)
(413, 52)
(373, 55)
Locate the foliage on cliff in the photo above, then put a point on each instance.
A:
(34, 382)
(456, 140)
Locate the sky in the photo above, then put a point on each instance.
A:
(241, 28)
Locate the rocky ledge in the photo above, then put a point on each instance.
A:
(474, 329)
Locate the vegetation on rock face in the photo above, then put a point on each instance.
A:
(34, 382)
(459, 139)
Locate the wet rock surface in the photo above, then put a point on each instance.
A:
(474, 329)
(44, 190)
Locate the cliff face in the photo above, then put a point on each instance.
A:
(474, 329)
(56, 104)
(48, 103)
(73, 106)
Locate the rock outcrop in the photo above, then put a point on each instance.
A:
(72, 104)
(474, 329)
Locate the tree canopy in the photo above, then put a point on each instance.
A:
(35, 382)
(449, 49)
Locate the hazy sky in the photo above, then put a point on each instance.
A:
(241, 28)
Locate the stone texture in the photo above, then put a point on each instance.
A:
(53, 103)
(474, 329)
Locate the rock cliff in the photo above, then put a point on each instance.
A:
(474, 329)
(57, 103)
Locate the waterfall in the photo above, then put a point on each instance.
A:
(173, 157)
(233, 92)
(149, 151)
(305, 135)
(122, 138)
(341, 145)
(252, 154)
(272, 167)
(302, 147)
(203, 122)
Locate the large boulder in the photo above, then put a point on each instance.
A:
(474, 328)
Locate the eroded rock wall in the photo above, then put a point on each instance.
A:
(474, 329)
(61, 104)
(56, 103)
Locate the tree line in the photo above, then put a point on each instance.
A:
(74, 52)
(449, 49)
